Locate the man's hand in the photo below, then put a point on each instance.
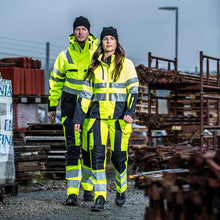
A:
(77, 127)
(52, 117)
(128, 118)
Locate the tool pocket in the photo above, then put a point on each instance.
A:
(88, 139)
(126, 130)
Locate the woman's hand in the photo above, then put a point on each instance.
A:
(128, 118)
(77, 127)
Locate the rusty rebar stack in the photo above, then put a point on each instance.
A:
(193, 195)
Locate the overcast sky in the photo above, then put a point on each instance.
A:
(141, 26)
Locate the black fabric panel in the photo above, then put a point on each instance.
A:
(68, 104)
(79, 115)
(120, 108)
(98, 151)
(131, 111)
(94, 112)
(118, 157)
(86, 158)
(72, 155)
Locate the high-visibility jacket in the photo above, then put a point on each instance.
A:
(110, 100)
(69, 69)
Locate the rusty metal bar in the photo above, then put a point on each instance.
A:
(149, 59)
(157, 64)
(201, 102)
(207, 71)
(211, 87)
(209, 57)
(208, 112)
(211, 97)
(218, 112)
(218, 74)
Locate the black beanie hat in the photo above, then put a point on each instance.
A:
(81, 21)
(109, 31)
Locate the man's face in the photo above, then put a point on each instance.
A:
(81, 33)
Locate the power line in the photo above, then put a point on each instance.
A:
(25, 50)
(34, 42)
(19, 55)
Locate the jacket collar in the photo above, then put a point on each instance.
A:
(89, 43)
(110, 60)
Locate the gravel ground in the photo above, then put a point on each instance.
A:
(46, 201)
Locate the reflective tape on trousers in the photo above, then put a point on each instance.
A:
(73, 173)
(121, 176)
(100, 187)
(99, 175)
(73, 183)
(121, 184)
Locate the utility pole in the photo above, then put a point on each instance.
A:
(47, 66)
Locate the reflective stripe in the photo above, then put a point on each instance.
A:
(68, 57)
(117, 85)
(117, 97)
(100, 85)
(57, 79)
(74, 81)
(87, 172)
(88, 83)
(73, 173)
(133, 89)
(79, 82)
(121, 176)
(99, 97)
(71, 91)
(73, 183)
(133, 80)
(99, 175)
(121, 184)
(86, 94)
(55, 70)
(100, 187)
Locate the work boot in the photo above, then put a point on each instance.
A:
(72, 200)
(88, 196)
(120, 199)
(99, 204)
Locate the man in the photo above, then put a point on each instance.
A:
(66, 82)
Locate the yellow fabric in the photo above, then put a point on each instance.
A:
(72, 190)
(61, 73)
(107, 106)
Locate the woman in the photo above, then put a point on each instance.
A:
(112, 85)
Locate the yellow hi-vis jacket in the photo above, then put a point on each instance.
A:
(110, 100)
(69, 69)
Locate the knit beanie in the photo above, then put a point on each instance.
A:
(109, 31)
(81, 21)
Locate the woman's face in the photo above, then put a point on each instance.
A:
(109, 44)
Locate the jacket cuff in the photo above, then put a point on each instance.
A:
(51, 108)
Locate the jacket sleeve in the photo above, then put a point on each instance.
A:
(56, 82)
(132, 84)
(83, 103)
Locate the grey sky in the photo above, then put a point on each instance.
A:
(141, 26)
